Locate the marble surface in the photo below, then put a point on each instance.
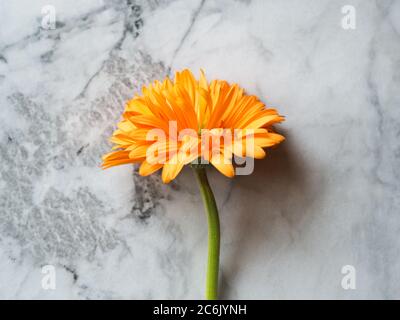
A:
(327, 197)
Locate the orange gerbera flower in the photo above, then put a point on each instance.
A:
(175, 123)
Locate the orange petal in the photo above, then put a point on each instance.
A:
(171, 170)
(139, 151)
(147, 168)
(223, 165)
(268, 140)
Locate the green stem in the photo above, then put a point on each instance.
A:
(213, 233)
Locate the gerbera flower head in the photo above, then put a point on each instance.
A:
(184, 121)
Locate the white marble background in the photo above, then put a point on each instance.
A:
(327, 197)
